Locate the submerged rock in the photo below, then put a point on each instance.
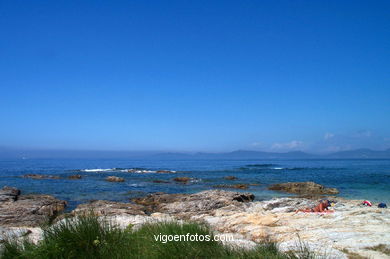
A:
(41, 176)
(182, 179)
(160, 181)
(29, 210)
(305, 188)
(114, 179)
(75, 177)
(230, 177)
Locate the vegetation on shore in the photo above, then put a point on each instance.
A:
(91, 237)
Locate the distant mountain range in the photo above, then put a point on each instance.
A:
(239, 154)
(235, 155)
(244, 154)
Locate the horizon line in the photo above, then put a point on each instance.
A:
(5, 148)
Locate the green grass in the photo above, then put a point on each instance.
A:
(89, 237)
(84, 237)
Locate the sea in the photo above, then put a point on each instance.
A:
(355, 179)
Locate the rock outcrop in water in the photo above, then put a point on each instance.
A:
(75, 177)
(41, 176)
(160, 181)
(114, 179)
(182, 179)
(303, 188)
(230, 177)
(27, 210)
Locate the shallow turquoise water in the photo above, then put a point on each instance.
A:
(358, 179)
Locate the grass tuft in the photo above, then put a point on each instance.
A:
(92, 237)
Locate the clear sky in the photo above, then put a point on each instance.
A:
(195, 75)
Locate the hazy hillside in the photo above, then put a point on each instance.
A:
(235, 155)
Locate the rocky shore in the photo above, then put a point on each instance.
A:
(352, 230)
(17, 210)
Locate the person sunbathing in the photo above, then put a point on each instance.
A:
(322, 207)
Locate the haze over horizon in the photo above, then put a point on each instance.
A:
(217, 76)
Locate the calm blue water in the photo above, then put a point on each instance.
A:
(358, 179)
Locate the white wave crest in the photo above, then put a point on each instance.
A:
(98, 170)
(125, 170)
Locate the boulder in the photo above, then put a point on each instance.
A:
(9, 194)
(28, 210)
(33, 234)
(114, 179)
(108, 208)
(303, 188)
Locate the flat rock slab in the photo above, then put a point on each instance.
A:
(9, 194)
(108, 208)
(242, 186)
(29, 210)
(352, 228)
(305, 188)
(33, 234)
(184, 204)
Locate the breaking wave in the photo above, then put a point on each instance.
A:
(125, 170)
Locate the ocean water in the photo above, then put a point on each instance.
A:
(356, 179)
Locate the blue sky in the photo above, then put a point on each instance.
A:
(195, 75)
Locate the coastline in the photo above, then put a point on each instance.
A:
(351, 229)
(355, 179)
